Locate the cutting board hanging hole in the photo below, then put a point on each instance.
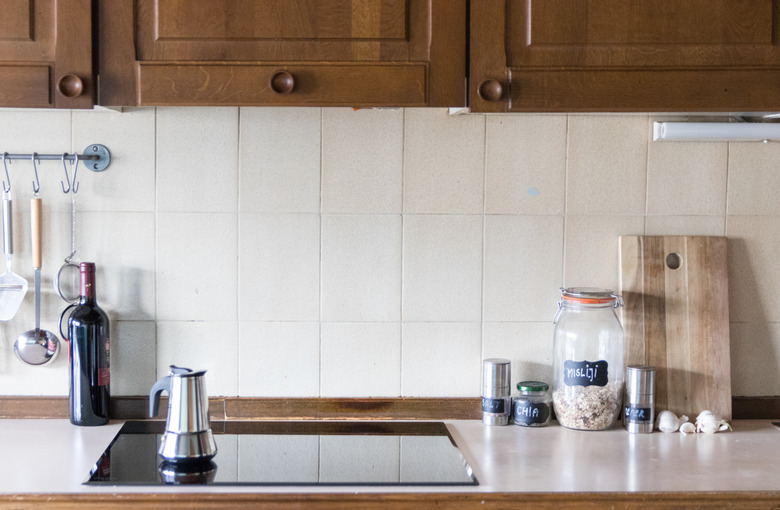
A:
(673, 261)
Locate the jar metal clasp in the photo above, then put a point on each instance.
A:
(558, 312)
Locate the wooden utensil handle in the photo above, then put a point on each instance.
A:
(35, 227)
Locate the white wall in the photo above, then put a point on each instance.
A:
(331, 252)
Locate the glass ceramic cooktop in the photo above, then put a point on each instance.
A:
(292, 453)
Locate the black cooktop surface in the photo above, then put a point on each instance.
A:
(292, 453)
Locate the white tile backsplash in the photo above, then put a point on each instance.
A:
(528, 345)
(201, 345)
(521, 253)
(133, 356)
(197, 159)
(754, 274)
(123, 246)
(442, 267)
(438, 358)
(525, 164)
(591, 242)
(752, 171)
(687, 178)
(129, 185)
(360, 359)
(279, 267)
(310, 252)
(279, 160)
(197, 267)
(279, 359)
(607, 164)
(444, 158)
(362, 160)
(361, 267)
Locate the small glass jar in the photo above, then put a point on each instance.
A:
(531, 407)
(588, 364)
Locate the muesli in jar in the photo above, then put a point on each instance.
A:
(587, 359)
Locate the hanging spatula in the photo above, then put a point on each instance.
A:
(12, 286)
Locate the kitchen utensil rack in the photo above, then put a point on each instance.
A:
(96, 157)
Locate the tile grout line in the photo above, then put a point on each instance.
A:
(648, 133)
(726, 197)
(156, 251)
(565, 199)
(401, 259)
(238, 256)
(484, 234)
(319, 259)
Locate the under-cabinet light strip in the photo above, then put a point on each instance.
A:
(716, 131)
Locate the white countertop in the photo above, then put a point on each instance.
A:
(53, 456)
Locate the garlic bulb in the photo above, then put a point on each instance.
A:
(687, 428)
(708, 423)
(667, 421)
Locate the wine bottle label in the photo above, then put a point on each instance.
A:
(104, 376)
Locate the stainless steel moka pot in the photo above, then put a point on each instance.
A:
(188, 434)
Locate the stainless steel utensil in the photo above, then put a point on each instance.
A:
(37, 346)
(66, 283)
(12, 286)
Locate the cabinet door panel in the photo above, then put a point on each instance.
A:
(46, 53)
(607, 90)
(413, 51)
(276, 20)
(631, 55)
(16, 22)
(661, 22)
(281, 30)
(25, 86)
(661, 32)
(26, 29)
(350, 85)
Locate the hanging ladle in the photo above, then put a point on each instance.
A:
(37, 346)
(66, 283)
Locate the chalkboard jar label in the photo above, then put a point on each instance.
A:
(495, 405)
(638, 414)
(530, 413)
(585, 373)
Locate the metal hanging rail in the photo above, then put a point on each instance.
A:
(96, 154)
(96, 157)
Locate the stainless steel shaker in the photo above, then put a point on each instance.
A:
(496, 393)
(188, 434)
(639, 399)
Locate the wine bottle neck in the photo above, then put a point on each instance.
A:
(87, 283)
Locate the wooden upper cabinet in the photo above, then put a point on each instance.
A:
(627, 55)
(283, 52)
(46, 53)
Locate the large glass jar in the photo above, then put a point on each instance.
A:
(588, 362)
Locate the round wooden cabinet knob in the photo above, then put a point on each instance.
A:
(70, 85)
(282, 82)
(490, 90)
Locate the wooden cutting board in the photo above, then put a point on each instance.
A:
(676, 318)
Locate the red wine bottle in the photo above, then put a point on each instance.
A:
(90, 375)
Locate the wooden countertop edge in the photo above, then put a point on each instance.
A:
(253, 408)
(400, 501)
(239, 408)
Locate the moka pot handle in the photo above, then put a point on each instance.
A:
(161, 385)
